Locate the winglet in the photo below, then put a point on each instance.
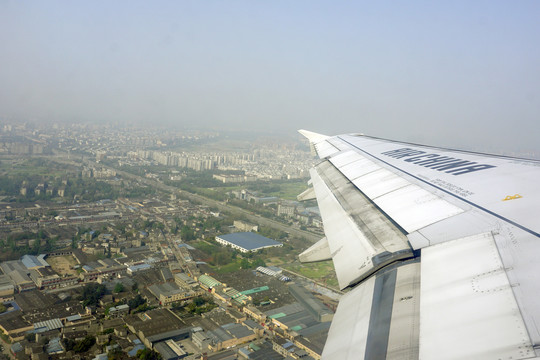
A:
(312, 136)
(313, 139)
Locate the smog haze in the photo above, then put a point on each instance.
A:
(454, 73)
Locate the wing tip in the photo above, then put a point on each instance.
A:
(313, 137)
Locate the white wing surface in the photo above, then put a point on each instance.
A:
(439, 248)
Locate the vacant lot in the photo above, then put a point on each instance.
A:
(63, 264)
(322, 272)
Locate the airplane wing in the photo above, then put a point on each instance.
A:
(439, 250)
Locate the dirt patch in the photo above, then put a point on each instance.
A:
(63, 265)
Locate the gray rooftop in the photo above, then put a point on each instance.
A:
(165, 289)
(9, 266)
(175, 334)
(237, 330)
(31, 261)
(219, 335)
(165, 351)
(252, 324)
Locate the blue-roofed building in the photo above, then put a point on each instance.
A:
(189, 247)
(247, 241)
(133, 352)
(73, 318)
(34, 262)
(16, 348)
(48, 325)
(136, 268)
(87, 268)
(54, 346)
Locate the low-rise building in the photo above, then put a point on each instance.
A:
(209, 283)
(169, 293)
(245, 226)
(45, 278)
(184, 281)
(103, 272)
(201, 340)
(13, 325)
(7, 289)
(230, 335)
(170, 350)
(34, 262)
(119, 311)
(255, 313)
(138, 267)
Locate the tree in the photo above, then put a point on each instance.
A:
(222, 258)
(92, 293)
(85, 344)
(74, 241)
(198, 301)
(258, 262)
(68, 344)
(117, 354)
(119, 287)
(186, 233)
(148, 354)
(136, 302)
(244, 263)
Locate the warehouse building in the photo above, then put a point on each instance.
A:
(313, 305)
(247, 241)
(34, 262)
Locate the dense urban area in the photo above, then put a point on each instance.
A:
(141, 243)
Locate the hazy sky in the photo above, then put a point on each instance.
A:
(464, 73)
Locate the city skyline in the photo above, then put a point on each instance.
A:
(456, 75)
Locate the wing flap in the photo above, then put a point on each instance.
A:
(360, 238)
(414, 208)
(350, 325)
(350, 249)
(358, 168)
(379, 182)
(325, 149)
(409, 205)
(308, 194)
(319, 251)
(471, 305)
(405, 327)
(378, 319)
(344, 158)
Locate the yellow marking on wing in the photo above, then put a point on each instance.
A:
(510, 197)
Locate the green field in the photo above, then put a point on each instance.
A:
(319, 271)
(206, 247)
(32, 167)
(229, 268)
(290, 190)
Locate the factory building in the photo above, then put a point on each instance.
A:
(247, 241)
(313, 305)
